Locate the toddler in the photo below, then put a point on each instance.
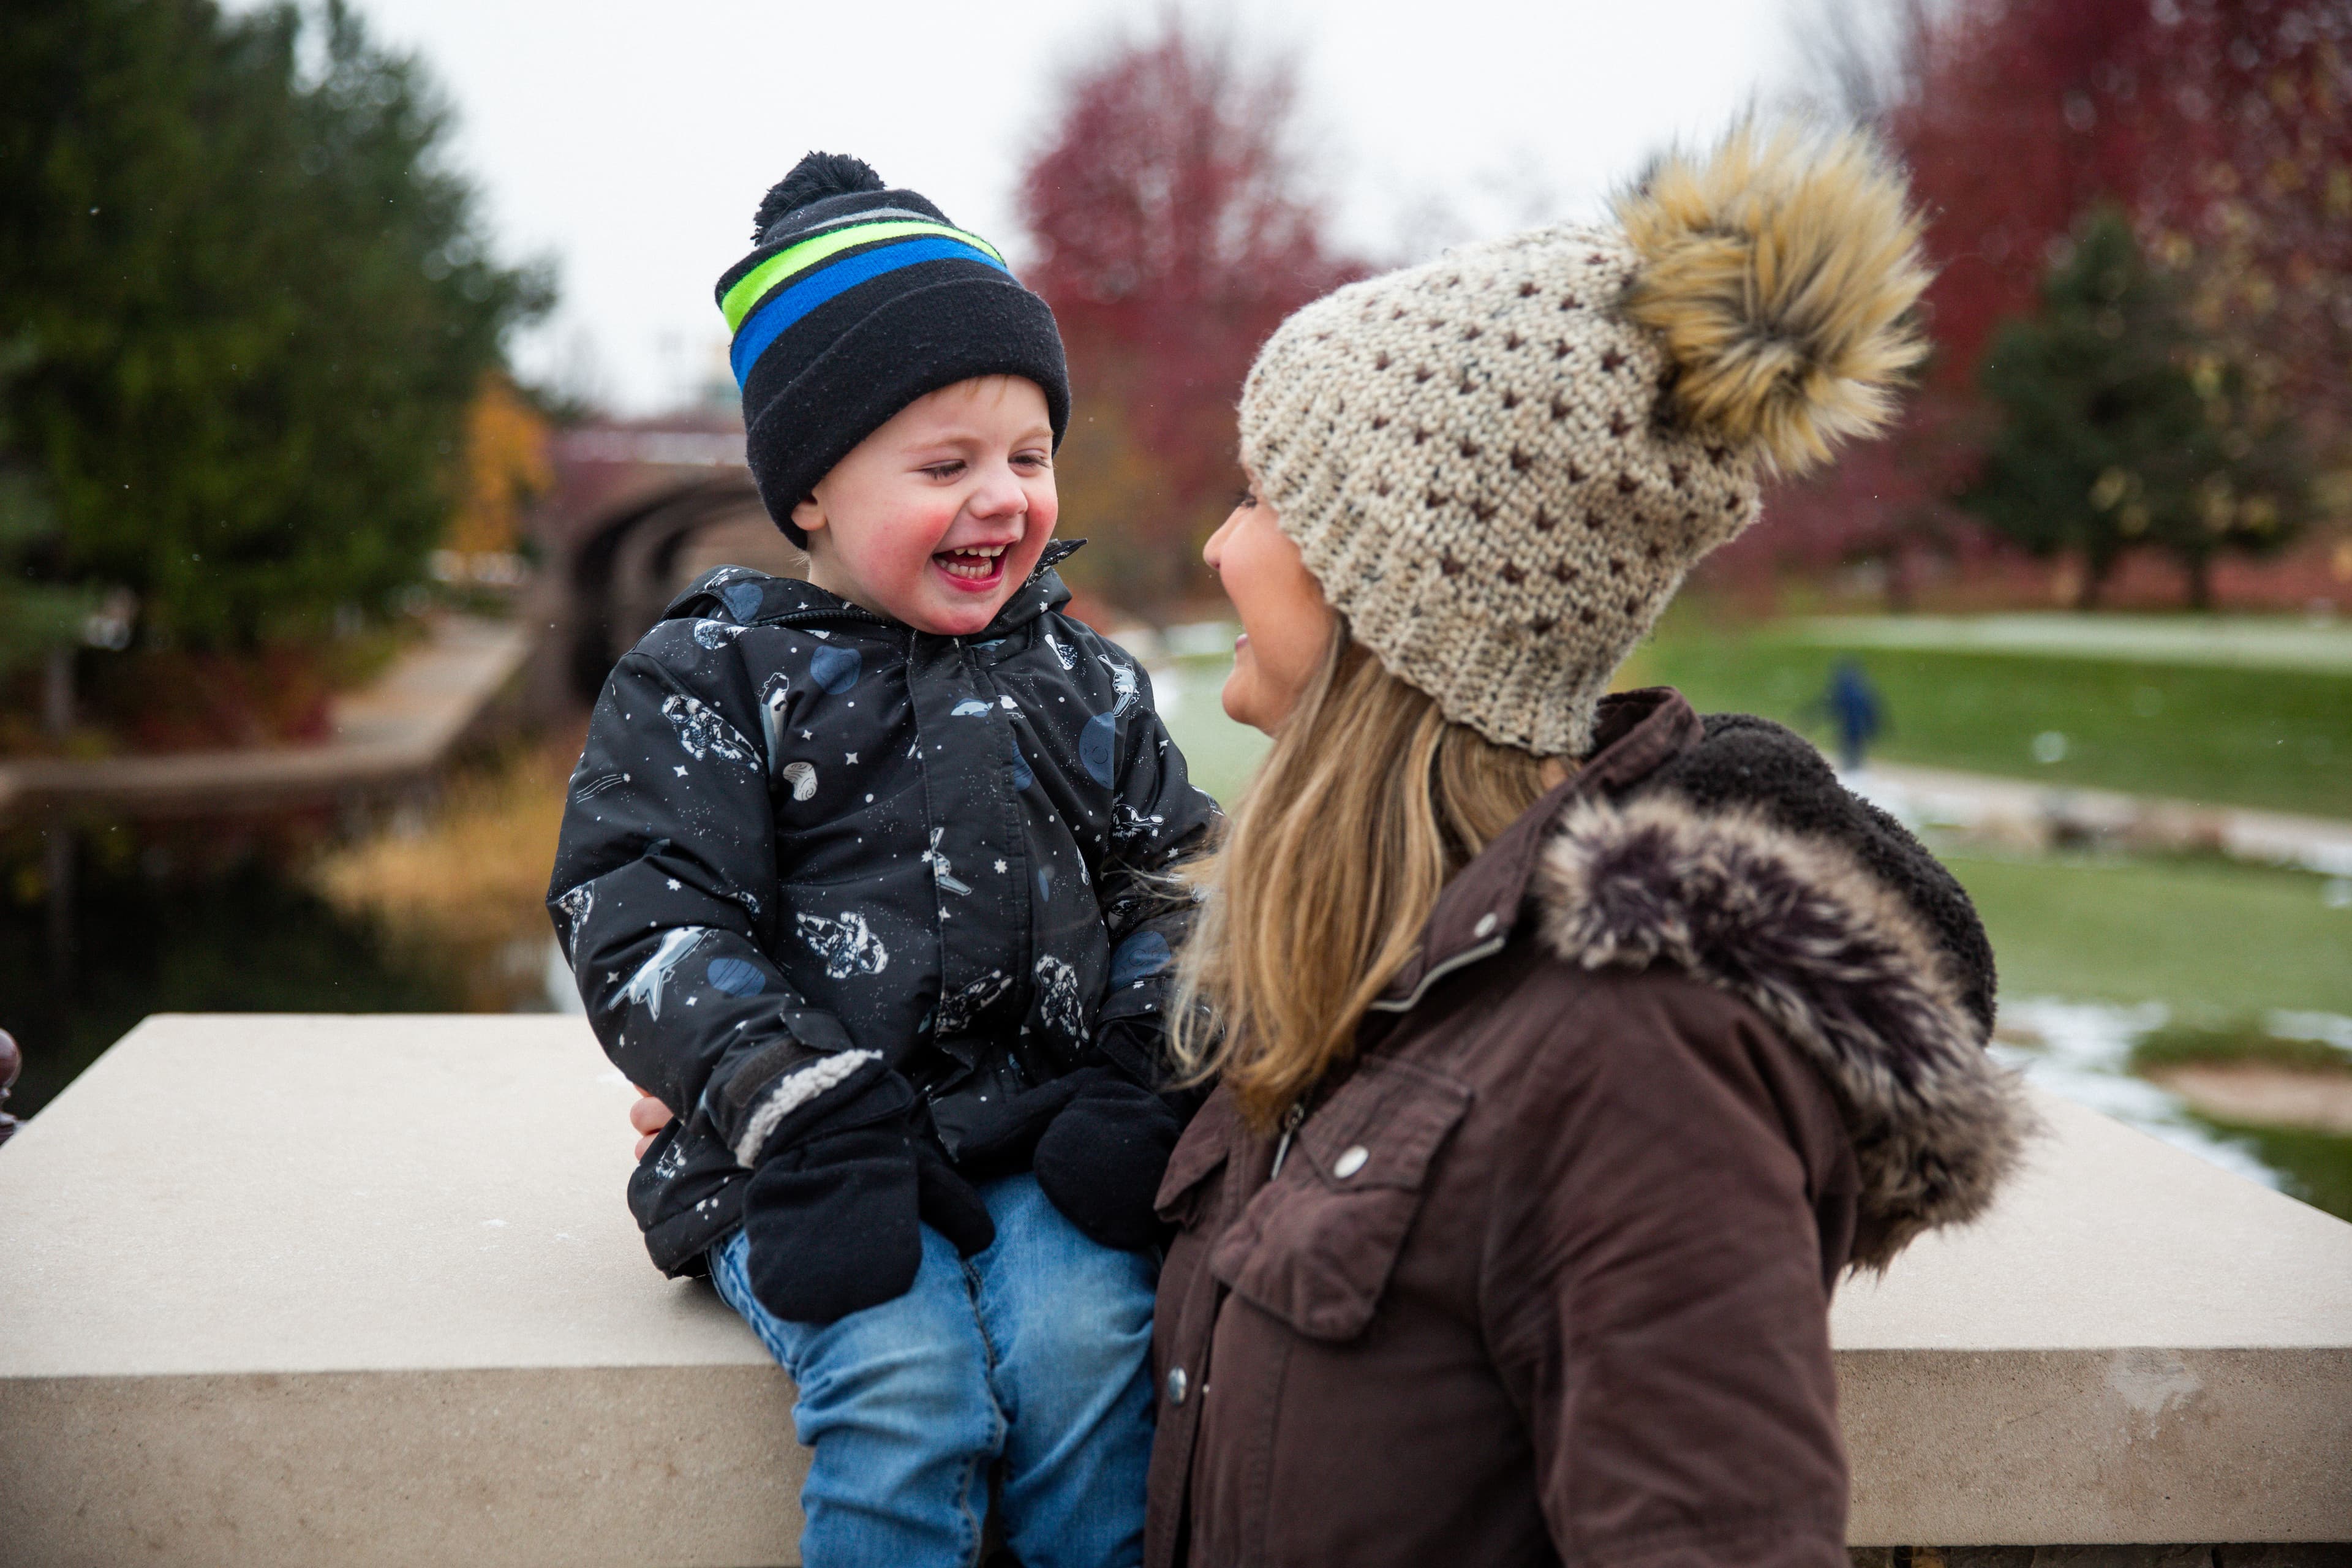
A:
(866, 878)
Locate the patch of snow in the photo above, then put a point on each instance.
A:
(2082, 1050)
(2319, 1028)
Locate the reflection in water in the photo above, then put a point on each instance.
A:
(246, 940)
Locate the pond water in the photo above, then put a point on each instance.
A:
(245, 938)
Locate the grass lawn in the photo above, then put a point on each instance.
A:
(2213, 940)
(2206, 937)
(2278, 739)
(2317, 1166)
(1219, 752)
(2202, 937)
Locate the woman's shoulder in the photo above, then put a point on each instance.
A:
(1541, 1031)
(1742, 887)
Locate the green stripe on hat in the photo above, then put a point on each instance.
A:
(750, 289)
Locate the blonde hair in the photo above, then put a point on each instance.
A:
(1327, 869)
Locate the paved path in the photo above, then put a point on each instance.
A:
(385, 733)
(2040, 813)
(2245, 642)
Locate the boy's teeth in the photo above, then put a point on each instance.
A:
(976, 562)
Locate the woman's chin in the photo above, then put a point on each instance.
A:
(1231, 700)
(1240, 702)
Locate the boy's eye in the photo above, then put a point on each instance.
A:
(1032, 459)
(946, 470)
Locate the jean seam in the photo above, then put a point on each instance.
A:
(974, 1529)
(759, 1322)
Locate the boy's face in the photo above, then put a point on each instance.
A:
(938, 516)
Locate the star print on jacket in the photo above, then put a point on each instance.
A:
(759, 937)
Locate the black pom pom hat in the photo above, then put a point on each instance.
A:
(857, 299)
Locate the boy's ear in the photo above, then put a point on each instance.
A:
(808, 516)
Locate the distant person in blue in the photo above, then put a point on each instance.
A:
(1854, 706)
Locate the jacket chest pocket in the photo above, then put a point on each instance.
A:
(1315, 1246)
(1186, 1189)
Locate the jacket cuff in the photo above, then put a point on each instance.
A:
(1134, 1047)
(794, 1092)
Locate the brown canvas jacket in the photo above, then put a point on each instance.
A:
(1545, 1277)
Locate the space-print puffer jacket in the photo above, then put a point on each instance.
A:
(807, 847)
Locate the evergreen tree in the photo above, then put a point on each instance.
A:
(35, 616)
(256, 303)
(2121, 428)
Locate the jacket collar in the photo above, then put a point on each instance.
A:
(746, 597)
(1636, 734)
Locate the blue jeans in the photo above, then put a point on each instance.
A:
(1036, 1353)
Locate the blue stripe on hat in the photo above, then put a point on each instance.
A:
(789, 305)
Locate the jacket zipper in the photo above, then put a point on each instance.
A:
(1297, 1111)
(1486, 949)
(1290, 1121)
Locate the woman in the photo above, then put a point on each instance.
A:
(1572, 1045)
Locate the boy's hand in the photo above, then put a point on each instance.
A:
(835, 1224)
(1100, 1160)
(834, 1217)
(648, 1116)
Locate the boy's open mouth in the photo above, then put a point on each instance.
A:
(978, 567)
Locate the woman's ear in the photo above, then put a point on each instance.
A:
(808, 516)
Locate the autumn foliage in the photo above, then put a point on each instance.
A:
(2221, 131)
(506, 465)
(1172, 233)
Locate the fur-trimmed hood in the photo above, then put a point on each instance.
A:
(1749, 866)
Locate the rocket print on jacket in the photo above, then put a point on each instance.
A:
(645, 985)
(803, 837)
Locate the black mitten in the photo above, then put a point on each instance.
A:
(834, 1224)
(1101, 1160)
(949, 1204)
(1011, 1137)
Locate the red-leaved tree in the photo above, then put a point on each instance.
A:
(2223, 129)
(1172, 232)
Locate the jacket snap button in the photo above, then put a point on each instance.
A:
(1485, 926)
(1349, 1163)
(1176, 1387)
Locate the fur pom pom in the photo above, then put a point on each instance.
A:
(1780, 270)
(814, 177)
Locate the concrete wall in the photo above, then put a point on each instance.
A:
(361, 1290)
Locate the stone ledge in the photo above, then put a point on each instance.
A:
(590, 1465)
(2133, 1346)
(289, 1289)
(2225, 1554)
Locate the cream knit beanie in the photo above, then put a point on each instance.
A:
(1499, 466)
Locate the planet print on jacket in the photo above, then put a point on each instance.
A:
(1099, 741)
(836, 670)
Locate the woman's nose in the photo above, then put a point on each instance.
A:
(1214, 551)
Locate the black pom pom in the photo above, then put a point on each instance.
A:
(818, 175)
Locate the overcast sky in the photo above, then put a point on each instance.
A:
(629, 143)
